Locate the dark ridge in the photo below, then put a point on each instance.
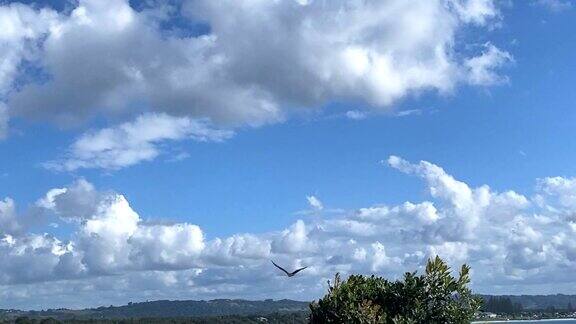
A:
(192, 311)
(169, 309)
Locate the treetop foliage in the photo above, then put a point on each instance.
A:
(433, 297)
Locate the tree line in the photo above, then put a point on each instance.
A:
(501, 305)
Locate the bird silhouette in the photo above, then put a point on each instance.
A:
(289, 274)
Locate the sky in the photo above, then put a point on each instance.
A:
(171, 149)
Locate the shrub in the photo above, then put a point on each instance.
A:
(434, 297)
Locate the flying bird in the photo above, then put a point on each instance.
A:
(289, 274)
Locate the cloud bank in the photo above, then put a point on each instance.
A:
(232, 63)
(515, 244)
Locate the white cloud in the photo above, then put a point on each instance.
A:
(110, 238)
(76, 202)
(132, 142)
(315, 203)
(95, 71)
(160, 246)
(409, 112)
(356, 114)
(8, 222)
(481, 68)
(293, 240)
(376, 51)
(379, 258)
(21, 27)
(239, 73)
(476, 11)
(237, 249)
(512, 242)
(557, 193)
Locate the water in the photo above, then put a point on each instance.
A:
(548, 321)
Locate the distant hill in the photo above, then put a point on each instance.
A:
(170, 308)
(540, 302)
(239, 307)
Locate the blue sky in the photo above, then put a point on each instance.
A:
(505, 136)
(506, 127)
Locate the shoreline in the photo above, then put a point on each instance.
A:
(526, 320)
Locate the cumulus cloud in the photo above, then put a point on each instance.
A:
(257, 62)
(375, 51)
(174, 245)
(110, 238)
(21, 28)
(561, 191)
(239, 63)
(512, 241)
(239, 249)
(476, 11)
(75, 202)
(294, 239)
(8, 222)
(132, 142)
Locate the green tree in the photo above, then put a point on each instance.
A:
(434, 297)
(502, 305)
(24, 320)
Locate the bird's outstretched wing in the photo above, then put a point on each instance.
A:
(279, 267)
(298, 270)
